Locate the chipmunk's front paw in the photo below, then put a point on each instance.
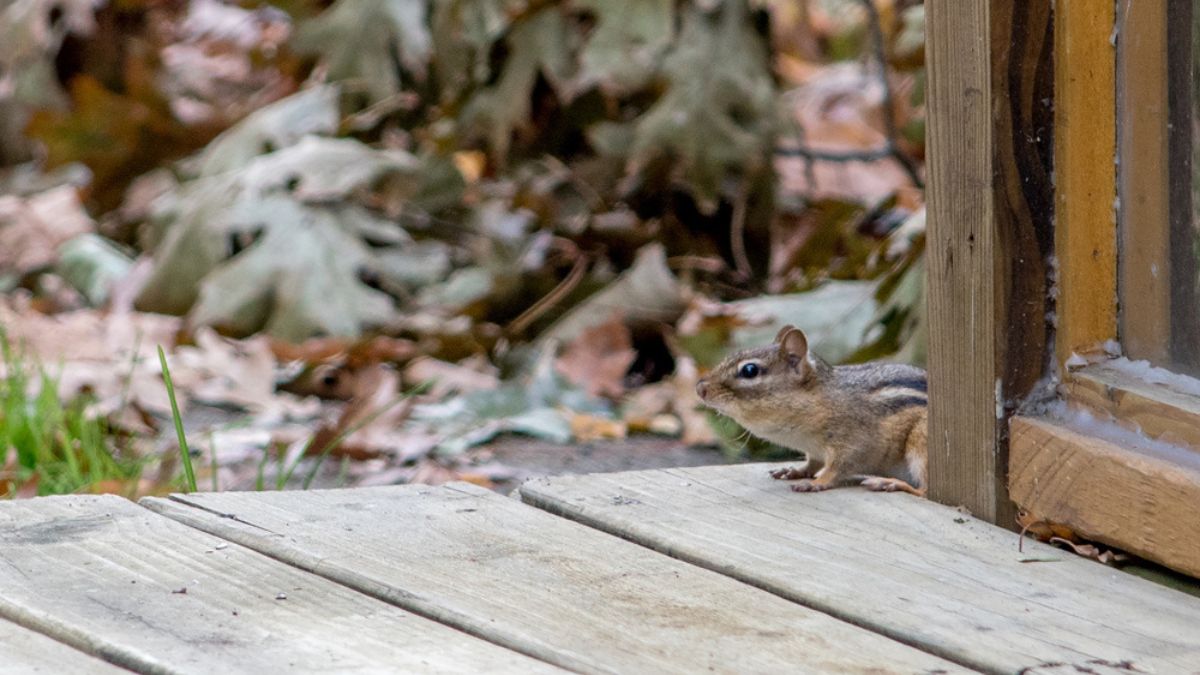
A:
(809, 486)
(793, 472)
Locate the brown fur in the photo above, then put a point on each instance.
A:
(856, 424)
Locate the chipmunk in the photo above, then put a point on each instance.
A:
(861, 424)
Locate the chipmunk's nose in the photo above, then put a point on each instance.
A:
(702, 389)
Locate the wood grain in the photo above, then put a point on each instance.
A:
(141, 591)
(1134, 498)
(542, 585)
(990, 234)
(24, 652)
(1157, 410)
(1085, 151)
(1145, 265)
(906, 567)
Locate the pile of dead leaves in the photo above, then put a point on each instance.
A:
(374, 235)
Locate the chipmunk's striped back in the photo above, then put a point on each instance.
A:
(891, 387)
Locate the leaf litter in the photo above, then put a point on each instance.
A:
(375, 237)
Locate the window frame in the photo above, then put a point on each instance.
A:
(986, 316)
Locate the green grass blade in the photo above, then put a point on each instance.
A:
(184, 452)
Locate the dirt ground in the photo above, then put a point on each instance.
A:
(531, 458)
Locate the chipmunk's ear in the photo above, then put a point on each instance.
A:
(794, 346)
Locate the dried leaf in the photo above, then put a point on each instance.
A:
(228, 373)
(696, 429)
(1043, 530)
(715, 120)
(93, 266)
(624, 51)
(589, 428)
(647, 293)
(362, 41)
(274, 127)
(536, 45)
(469, 376)
(1104, 556)
(32, 229)
(599, 358)
(840, 111)
(272, 246)
(836, 316)
(375, 412)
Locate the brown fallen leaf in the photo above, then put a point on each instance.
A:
(588, 428)
(330, 364)
(598, 359)
(369, 425)
(696, 429)
(240, 373)
(350, 352)
(641, 406)
(840, 109)
(432, 472)
(469, 375)
(1040, 529)
(31, 229)
(1102, 555)
(10, 484)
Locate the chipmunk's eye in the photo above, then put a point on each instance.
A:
(749, 371)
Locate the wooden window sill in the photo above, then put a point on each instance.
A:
(1127, 494)
(1165, 411)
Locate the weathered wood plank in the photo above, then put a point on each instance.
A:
(108, 577)
(24, 652)
(990, 232)
(906, 567)
(1136, 498)
(539, 584)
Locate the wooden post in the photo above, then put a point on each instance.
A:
(990, 205)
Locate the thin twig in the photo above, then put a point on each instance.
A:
(889, 113)
(697, 262)
(737, 234)
(564, 288)
(836, 156)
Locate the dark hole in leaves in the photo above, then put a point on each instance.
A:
(55, 16)
(240, 240)
(653, 361)
(370, 277)
(496, 58)
(762, 22)
(742, 115)
(586, 20)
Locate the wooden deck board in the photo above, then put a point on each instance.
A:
(25, 652)
(107, 576)
(906, 567)
(540, 584)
